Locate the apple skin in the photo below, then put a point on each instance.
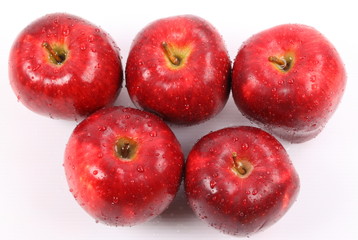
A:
(89, 78)
(297, 103)
(187, 94)
(115, 190)
(228, 201)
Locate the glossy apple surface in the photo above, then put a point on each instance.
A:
(64, 67)
(290, 80)
(123, 165)
(240, 180)
(179, 68)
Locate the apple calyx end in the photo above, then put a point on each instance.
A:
(242, 167)
(57, 55)
(173, 58)
(125, 148)
(282, 63)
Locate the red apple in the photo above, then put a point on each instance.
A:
(65, 67)
(123, 165)
(240, 180)
(179, 68)
(288, 79)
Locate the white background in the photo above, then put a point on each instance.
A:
(35, 202)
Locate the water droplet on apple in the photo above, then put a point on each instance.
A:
(212, 183)
(244, 146)
(115, 200)
(254, 192)
(97, 30)
(140, 168)
(153, 134)
(100, 155)
(90, 38)
(83, 47)
(66, 31)
(36, 67)
(291, 81)
(102, 128)
(214, 198)
(93, 50)
(95, 172)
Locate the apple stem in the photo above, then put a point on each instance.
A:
(169, 53)
(283, 63)
(238, 165)
(125, 149)
(279, 61)
(52, 52)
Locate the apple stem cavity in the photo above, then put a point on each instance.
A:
(125, 148)
(56, 57)
(242, 168)
(283, 63)
(175, 60)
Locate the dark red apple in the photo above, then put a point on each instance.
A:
(240, 180)
(290, 80)
(65, 67)
(123, 165)
(179, 68)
